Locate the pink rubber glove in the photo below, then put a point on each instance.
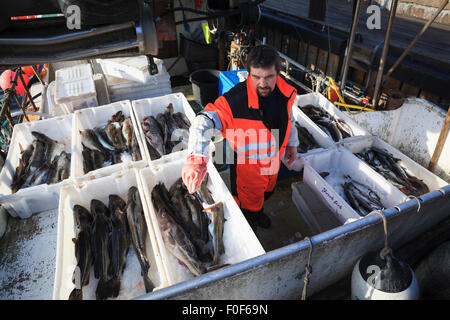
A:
(290, 154)
(193, 172)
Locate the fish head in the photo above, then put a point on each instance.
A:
(99, 208)
(116, 202)
(117, 117)
(81, 214)
(37, 135)
(133, 195)
(165, 222)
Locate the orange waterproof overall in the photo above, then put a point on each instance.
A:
(257, 149)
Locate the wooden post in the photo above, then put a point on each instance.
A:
(440, 143)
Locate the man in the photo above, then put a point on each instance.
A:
(256, 119)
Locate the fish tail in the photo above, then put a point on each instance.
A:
(104, 289)
(149, 286)
(76, 294)
(114, 286)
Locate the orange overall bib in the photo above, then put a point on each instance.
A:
(257, 149)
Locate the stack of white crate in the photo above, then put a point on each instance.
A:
(129, 78)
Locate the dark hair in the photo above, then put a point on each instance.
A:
(263, 56)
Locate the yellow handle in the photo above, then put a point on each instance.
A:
(335, 88)
(353, 106)
(337, 92)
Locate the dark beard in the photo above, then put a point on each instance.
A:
(265, 94)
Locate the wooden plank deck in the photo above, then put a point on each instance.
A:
(434, 43)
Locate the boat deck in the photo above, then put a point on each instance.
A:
(28, 249)
(434, 43)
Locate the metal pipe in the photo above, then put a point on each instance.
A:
(350, 45)
(36, 73)
(65, 37)
(8, 95)
(425, 27)
(384, 53)
(23, 106)
(301, 85)
(71, 55)
(27, 91)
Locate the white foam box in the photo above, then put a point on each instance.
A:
(152, 106)
(54, 108)
(340, 162)
(147, 88)
(322, 139)
(154, 84)
(131, 280)
(142, 94)
(358, 144)
(320, 101)
(134, 69)
(93, 117)
(75, 87)
(239, 239)
(42, 197)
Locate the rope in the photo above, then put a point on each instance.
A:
(308, 270)
(418, 202)
(386, 250)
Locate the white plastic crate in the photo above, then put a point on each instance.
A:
(312, 209)
(54, 108)
(320, 101)
(405, 127)
(136, 88)
(42, 197)
(141, 94)
(357, 145)
(133, 69)
(75, 87)
(339, 162)
(131, 280)
(91, 118)
(152, 106)
(322, 139)
(239, 239)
